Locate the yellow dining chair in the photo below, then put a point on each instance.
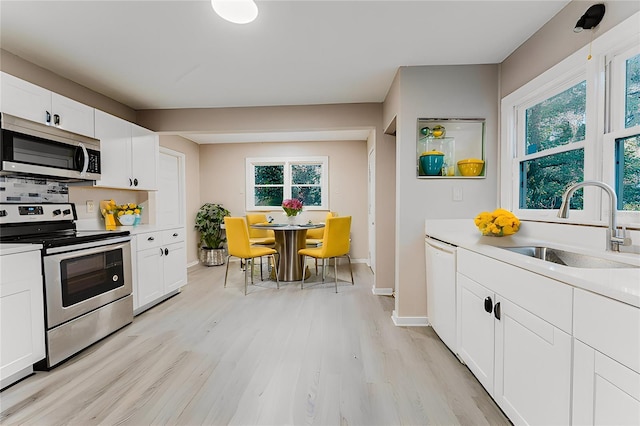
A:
(261, 237)
(315, 236)
(335, 243)
(238, 246)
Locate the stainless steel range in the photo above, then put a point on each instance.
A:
(87, 278)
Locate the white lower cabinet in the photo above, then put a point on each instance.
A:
(161, 267)
(532, 367)
(606, 361)
(21, 315)
(521, 359)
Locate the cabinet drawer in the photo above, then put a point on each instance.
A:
(173, 236)
(20, 266)
(549, 299)
(149, 240)
(608, 326)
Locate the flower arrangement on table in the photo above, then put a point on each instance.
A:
(292, 207)
(498, 223)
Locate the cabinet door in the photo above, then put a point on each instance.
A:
(150, 280)
(605, 392)
(25, 100)
(476, 330)
(21, 313)
(175, 266)
(73, 116)
(441, 290)
(532, 367)
(115, 150)
(144, 155)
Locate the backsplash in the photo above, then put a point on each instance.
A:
(32, 190)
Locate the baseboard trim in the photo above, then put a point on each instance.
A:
(409, 321)
(194, 263)
(382, 291)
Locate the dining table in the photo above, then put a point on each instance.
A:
(288, 240)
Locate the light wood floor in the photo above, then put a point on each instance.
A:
(211, 355)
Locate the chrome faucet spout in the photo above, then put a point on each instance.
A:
(614, 240)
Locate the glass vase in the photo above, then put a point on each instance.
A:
(291, 220)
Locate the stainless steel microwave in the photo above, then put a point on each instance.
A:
(28, 148)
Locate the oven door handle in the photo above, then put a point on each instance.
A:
(92, 247)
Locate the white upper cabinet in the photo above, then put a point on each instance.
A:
(129, 154)
(144, 155)
(26, 100)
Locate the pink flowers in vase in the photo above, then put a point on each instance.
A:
(292, 206)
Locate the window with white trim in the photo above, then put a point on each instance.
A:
(271, 180)
(579, 120)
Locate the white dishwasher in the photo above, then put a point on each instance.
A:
(441, 289)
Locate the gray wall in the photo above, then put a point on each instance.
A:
(467, 91)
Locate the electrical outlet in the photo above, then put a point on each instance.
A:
(90, 206)
(457, 193)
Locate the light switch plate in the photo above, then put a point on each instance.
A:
(90, 206)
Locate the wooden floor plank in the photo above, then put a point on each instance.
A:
(211, 355)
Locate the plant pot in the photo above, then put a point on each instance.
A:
(211, 257)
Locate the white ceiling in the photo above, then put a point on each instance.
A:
(180, 54)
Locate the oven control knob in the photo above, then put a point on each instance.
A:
(57, 212)
(3, 213)
(67, 211)
(114, 278)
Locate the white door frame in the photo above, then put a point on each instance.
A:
(371, 208)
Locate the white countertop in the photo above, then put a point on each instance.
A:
(6, 249)
(622, 284)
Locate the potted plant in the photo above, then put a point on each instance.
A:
(209, 221)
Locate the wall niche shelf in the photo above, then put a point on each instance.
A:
(462, 138)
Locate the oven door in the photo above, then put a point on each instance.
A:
(79, 281)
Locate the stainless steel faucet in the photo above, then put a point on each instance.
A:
(615, 239)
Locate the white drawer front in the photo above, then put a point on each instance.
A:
(20, 266)
(149, 240)
(173, 236)
(608, 326)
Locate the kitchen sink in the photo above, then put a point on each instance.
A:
(568, 258)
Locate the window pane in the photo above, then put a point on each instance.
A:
(268, 196)
(632, 98)
(558, 120)
(310, 195)
(306, 174)
(269, 175)
(543, 180)
(628, 173)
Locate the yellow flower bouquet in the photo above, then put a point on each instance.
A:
(498, 223)
(129, 214)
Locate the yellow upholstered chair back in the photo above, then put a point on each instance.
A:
(254, 218)
(336, 237)
(237, 237)
(318, 233)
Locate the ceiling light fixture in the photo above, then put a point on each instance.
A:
(236, 11)
(590, 19)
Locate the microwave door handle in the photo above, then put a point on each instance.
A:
(85, 162)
